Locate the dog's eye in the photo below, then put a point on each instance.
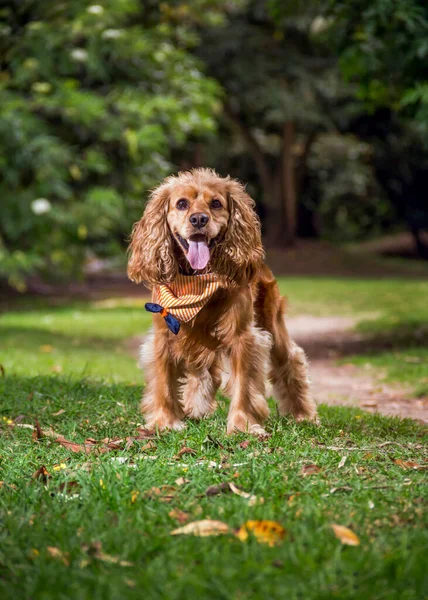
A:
(182, 204)
(216, 203)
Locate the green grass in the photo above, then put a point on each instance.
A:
(99, 390)
(382, 503)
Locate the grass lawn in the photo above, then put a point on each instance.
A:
(107, 535)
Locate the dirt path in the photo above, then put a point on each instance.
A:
(325, 339)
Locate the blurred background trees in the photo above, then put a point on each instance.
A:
(322, 106)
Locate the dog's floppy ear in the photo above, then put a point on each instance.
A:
(151, 254)
(242, 248)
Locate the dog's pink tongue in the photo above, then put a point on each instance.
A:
(198, 254)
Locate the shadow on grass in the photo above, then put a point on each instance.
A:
(32, 339)
(367, 340)
(84, 403)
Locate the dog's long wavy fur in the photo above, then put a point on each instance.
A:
(246, 320)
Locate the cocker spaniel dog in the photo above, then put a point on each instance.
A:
(216, 306)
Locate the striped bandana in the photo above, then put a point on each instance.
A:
(181, 300)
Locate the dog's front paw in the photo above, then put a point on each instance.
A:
(199, 411)
(311, 418)
(240, 421)
(162, 420)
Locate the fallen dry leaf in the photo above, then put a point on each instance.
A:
(37, 432)
(203, 528)
(91, 445)
(87, 447)
(345, 535)
(310, 469)
(342, 462)
(69, 487)
(389, 444)
(182, 481)
(149, 446)
(129, 442)
(408, 464)
(94, 550)
(61, 411)
(164, 493)
(265, 532)
(12, 486)
(179, 515)
(342, 488)
(252, 500)
(144, 434)
(214, 490)
(110, 443)
(41, 474)
(64, 557)
(184, 450)
(244, 444)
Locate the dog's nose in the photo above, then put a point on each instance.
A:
(199, 220)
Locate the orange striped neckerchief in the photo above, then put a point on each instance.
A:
(187, 294)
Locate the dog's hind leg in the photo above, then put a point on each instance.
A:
(289, 368)
(249, 359)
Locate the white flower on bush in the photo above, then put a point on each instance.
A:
(79, 55)
(96, 9)
(320, 24)
(40, 206)
(111, 34)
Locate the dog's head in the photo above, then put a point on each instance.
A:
(196, 222)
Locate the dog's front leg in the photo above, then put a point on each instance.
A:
(160, 404)
(249, 361)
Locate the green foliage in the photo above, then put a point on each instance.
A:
(93, 99)
(384, 49)
(343, 191)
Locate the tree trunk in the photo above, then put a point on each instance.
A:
(289, 196)
(307, 225)
(264, 172)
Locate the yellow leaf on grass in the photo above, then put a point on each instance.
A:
(345, 535)
(59, 467)
(203, 528)
(265, 532)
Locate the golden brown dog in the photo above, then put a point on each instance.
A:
(197, 223)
